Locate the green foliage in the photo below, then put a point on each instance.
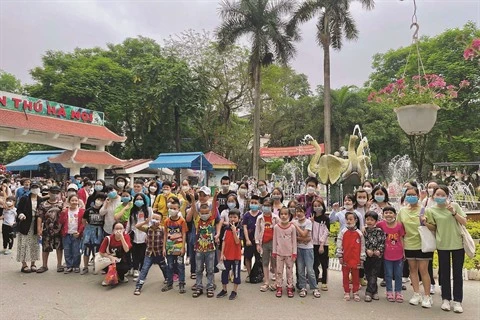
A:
(9, 83)
(473, 228)
(12, 151)
(275, 166)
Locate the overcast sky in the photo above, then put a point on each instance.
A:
(29, 28)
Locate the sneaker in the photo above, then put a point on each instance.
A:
(130, 272)
(445, 305)
(279, 292)
(7, 252)
(375, 296)
(187, 261)
(90, 263)
(136, 274)
(427, 302)
(457, 307)
(68, 270)
(363, 282)
(233, 295)
(383, 283)
(405, 280)
(324, 287)
(222, 294)
(181, 287)
(368, 298)
(125, 280)
(415, 299)
(84, 271)
(137, 291)
(167, 288)
(432, 289)
(104, 283)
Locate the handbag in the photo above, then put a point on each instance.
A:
(468, 243)
(101, 262)
(111, 278)
(429, 243)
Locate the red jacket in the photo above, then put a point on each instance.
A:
(64, 222)
(351, 247)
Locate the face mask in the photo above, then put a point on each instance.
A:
(379, 198)
(112, 194)
(172, 213)
(121, 185)
(9, 203)
(152, 189)
(205, 217)
(310, 190)
(152, 222)
(98, 203)
(348, 206)
(351, 226)
(139, 203)
(430, 191)
(36, 191)
(318, 209)
(362, 202)
(98, 187)
(411, 199)
(368, 190)
(71, 193)
(242, 191)
(231, 205)
(262, 188)
(266, 209)
(79, 184)
(166, 192)
(125, 199)
(440, 200)
(225, 187)
(90, 191)
(254, 207)
(53, 197)
(169, 205)
(291, 210)
(185, 188)
(276, 197)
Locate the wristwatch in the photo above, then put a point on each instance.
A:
(454, 213)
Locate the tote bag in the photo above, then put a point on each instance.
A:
(429, 243)
(468, 243)
(100, 261)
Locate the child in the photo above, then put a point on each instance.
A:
(374, 246)
(320, 232)
(153, 254)
(249, 222)
(263, 238)
(231, 254)
(93, 233)
(9, 217)
(351, 253)
(305, 253)
(72, 233)
(393, 256)
(285, 250)
(174, 245)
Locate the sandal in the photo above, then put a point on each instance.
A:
(264, 287)
(346, 296)
(399, 297)
(390, 297)
(303, 293)
(316, 293)
(33, 268)
(42, 269)
(272, 287)
(25, 269)
(197, 293)
(193, 276)
(356, 297)
(210, 293)
(60, 269)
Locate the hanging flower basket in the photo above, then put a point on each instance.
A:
(417, 119)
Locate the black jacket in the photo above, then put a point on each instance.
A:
(25, 207)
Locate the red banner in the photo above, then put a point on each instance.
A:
(289, 151)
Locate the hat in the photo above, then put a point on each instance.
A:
(205, 190)
(72, 186)
(34, 184)
(54, 189)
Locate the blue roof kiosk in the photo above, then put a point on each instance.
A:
(182, 160)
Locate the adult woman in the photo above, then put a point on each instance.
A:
(27, 246)
(444, 219)
(262, 190)
(243, 198)
(379, 201)
(428, 202)
(410, 216)
(98, 187)
(277, 197)
(72, 231)
(138, 214)
(152, 191)
(109, 206)
(368, 187)
(115, 247)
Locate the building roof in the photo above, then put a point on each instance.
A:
(18, 120)
(185, 160)
(32, 160)
(132, 166)
(219, 162)
(87, 157)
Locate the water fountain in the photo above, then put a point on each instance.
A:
(464, 195)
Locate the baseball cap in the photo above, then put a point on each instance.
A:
(205, 190)
(54, 189)
(72, 186)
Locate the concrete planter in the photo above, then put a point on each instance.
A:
(417, 119)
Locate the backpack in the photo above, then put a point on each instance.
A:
(256, 274)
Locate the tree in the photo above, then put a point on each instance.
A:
(264, 22)
(334, 22)
(9, 83)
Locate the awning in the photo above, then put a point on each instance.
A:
(187, 160)
(297, 151)
(32, 160)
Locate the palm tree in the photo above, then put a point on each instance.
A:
(265, 24)
(335, 21)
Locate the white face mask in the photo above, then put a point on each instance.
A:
(362, 202)
(9, 203)
(430, 191)
(262, 188)
(310, 190)
(348, 206)
(242, 192)
(185, 188)
(152, 189)
(368, 190)
(120, 184)
(35, 191)
(172, 213)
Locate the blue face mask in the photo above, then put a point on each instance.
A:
(139, 203)
(98, 188)
(125, 199)
(254, 207)
(267, 209)
(440, 200)
(379, 198)
(112, 194)
(411, 199)
(231, 205)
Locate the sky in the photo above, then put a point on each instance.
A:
(29, 28)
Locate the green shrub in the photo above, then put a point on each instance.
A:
(474, 228)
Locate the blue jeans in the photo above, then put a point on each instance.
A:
(393, 271)
(147, 263)
(205, 259)
(181, 268)
(305, 261)
(192, 238)
(71, 249)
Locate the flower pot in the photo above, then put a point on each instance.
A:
(417, 119)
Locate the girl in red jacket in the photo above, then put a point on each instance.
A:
(351, 253)
(72, 230)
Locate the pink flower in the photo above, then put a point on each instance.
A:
(371, 95)
(476, 44)
(468, 54)
(450, 87)
(439, 96)
(464, 83)
(453, 94)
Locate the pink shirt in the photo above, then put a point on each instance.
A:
(284, 240)
(393, 240)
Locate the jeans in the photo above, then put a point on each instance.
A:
(393, 271)
(192, 238)
(71, 248)
(7, 234)
(147, 263)
(305, 261)
(181, 268)
(205, 259)
(233, 265)
(372, 268)
(320, 259)
(458, 257)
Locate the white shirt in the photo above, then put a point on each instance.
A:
(72, 221)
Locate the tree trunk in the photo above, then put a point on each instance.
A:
(256, 122)
(327, 108)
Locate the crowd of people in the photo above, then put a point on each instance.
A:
(158, 222)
